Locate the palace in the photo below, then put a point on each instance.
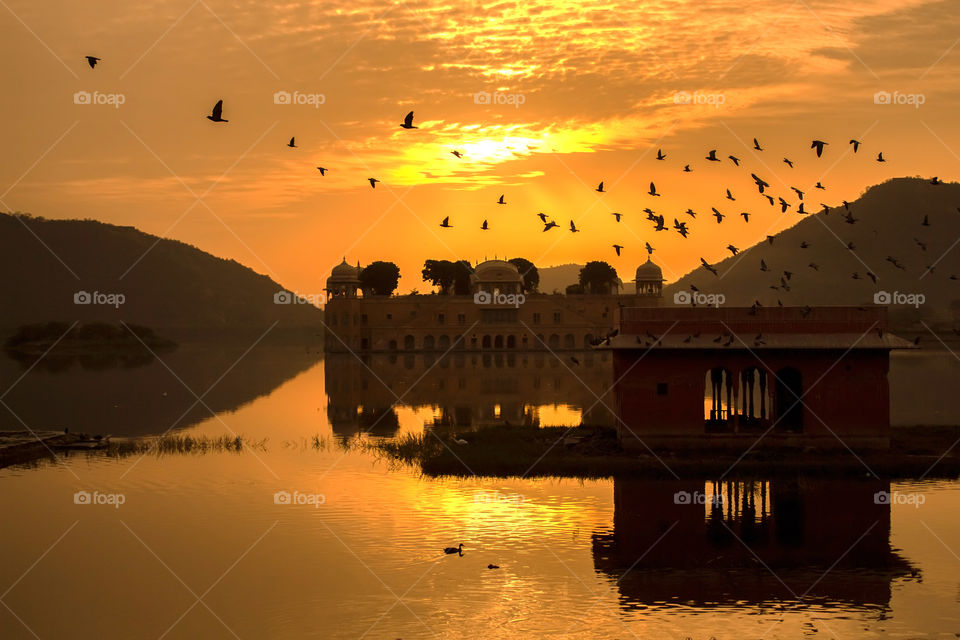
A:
(497, 315)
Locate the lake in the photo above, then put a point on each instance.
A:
(297, 537)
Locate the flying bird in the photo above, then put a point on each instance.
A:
(733, 250)
(483, 226)
(691, 213)
(550, 225)
(800, 209)
(756, 145)
(660, 155)
(784, 205)
(719, 216)
(457, 153)
(322, 170)
(788, 161)
(730, 195)
(501, 200)
(292, 144)
(761, 184)
(712, 156)
(446, 223)
(653, 190)
(573, 228)
(373, 182)
(856, 145)
(92, 61)
(681, 227)
(770, 239)
(649, 248)
(408, 121)
(799, 193)
(616, 215)
(617, 248)
(818, 145)
(687, 168)
(708, 266)
(543, 217)
(735, 159)
(819, 186)
(880, 157)
(217, 112)
(746, 216)
(599, 188)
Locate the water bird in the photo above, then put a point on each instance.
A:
(712, 156)
(756, 145)
(617, 248)
(788, 161)
(501, 200)
(653, 190)
(452, 550)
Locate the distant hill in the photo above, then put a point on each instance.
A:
(560, 276)
(889, 223)
(174, 288)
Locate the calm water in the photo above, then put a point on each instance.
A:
(200, 547)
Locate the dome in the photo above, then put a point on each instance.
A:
(649, 272)
(496, 271)
(344, 272)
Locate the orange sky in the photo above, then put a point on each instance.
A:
(588, 89)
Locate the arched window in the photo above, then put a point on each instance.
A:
(554, 342)
(787, 399)
(754, 401)
(485, 343)
(428, 343)
(409, 343)
(498, 342)
(569, 342)
(444, 342)
(718, 400)
(511, 342)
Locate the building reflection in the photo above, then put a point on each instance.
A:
(786, 539)
(466, 390)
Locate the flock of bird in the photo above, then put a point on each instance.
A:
(659, 220)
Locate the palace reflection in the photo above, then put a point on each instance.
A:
(467, 390)
(785, 539)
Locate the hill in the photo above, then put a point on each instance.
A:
(89, 271)
(904, 232)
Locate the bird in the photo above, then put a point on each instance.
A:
(452, 550)
(292, 144)
(851, 246)
(691, 213)
(935, 181)
(922, 245)
(708, 266)
(788, 161)
(735, 159)
(763, 265)
(712, 156)
(543, 217)
(322, 170)
(849, 219)
(616, 215)
(814, 266)
(730, 195)
(733, 250)
(746, 216)
(617, 248)
(493, 566)
(660, 155)
(880, 157)
(573, 228)
(761, 184)
(408, 122)
(818, 145)
(484, 226)
(446, 223)
(687, 168)
(756, 145)
(92, 61)
(819, 186)
(574, 360)
(856, 145)
(770, 239)
(681, 227)
(872, 276)
(217, 112)
(800, 209)
(373, 182)
(653, 190)
(719, 216)
(784, 205)
(501, 200)
(798, 192)
(804, 245)
(599, 188)
(550, 225)
(649, 248)
(457, 153)
(769, 199)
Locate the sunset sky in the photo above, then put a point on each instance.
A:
(579, 92)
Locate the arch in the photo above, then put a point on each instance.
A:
(485, 343)
(511, 342)
(429, 343)
(444, 342)
(554, 341)
(569, 342)
(392, 345)
(541, 342)
(588, 341)
(498, 342)
(788, 390)
(754, 397)
(718, 400)
(409, 343)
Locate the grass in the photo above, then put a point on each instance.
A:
(181, 444)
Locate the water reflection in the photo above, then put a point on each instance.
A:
(467, 391)
(787, 539)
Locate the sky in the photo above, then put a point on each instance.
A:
(543, 99)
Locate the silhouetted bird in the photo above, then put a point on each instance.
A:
(872, 276)
(616, 215)
(851, 246)
(92, 61)
(769, 199)
(681, 227)
(292, 143)
(543, 217)
(691, 213)
(501, 200)
(746, 216)
(617, 248)
(719, 216)
(217, 112)
(787, 161)
(484, 226)
(446, 223)
(550, 225)
(735, 159)
(573, 228)
(322, 170)
(856, 145)
(492, 566)
(730, 195)
(452, 550)
(783, 205)
(660, 155)
(408, 121)
(708, 266)
(574, 360)
(814, 266)
(926, 221)
(880, 157)
(818, 145)
(687, 168)
(373, 182)
(763, 265)
(599, 187)
(819, 186)
(756, 145)
(770, 239)
(733, 250)
(935, 181)
(712, 156)
(798, 192)
(804, 245)
(800, 209)
(921, 244)
(649, 248)
(653, 190)
(457, 153)
(761, 184)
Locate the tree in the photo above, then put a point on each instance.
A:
(449, 277)
(379, 278)
(598, 277)
(531, 277)
(574, 289)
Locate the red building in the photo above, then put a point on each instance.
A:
(723, 377)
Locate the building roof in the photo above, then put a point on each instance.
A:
(344, 273)
(649, 272)
(730, 341)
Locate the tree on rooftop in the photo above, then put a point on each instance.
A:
(531, 277)
(598, 277)
(379, 278)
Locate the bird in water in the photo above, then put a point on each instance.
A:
(452, 550)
